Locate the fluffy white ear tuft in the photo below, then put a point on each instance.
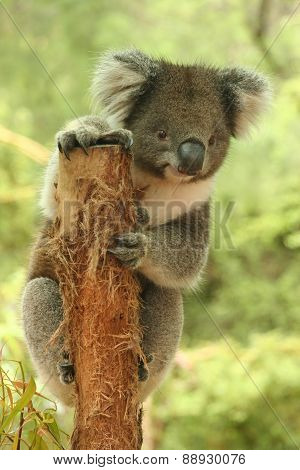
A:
(252, 106)
(246, 95)
(119, 78)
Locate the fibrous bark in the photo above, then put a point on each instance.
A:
(100, 297)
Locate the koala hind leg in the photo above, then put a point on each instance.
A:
(42, 314)
(161, 320)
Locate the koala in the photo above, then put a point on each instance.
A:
(178, 120)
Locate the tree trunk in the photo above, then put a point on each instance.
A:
(95, 196)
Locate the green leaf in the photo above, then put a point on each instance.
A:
(40, 444)
(14, 445)
(54, 430)
(20, 404)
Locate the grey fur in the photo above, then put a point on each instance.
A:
(161, 321)
(167, 251)
(119, 79)
(42, 315)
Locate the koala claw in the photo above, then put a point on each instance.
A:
(142, 216)
(66, 370)
(129, 248)
(116, 137)
(88, 136)
(123, 137)
(143, 371)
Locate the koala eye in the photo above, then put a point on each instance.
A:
(162, 134)
(212, 140)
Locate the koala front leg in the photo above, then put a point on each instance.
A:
(83, 132)
(170, 255)
(161, 320)
(42, 314)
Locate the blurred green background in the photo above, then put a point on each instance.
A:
(236, 381)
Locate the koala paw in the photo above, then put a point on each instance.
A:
(129, 248)
(66, 370)
(143, 371)
(87, 136)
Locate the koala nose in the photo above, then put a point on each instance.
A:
(191, 156)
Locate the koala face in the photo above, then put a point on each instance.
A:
(179, 126)
(182, 117)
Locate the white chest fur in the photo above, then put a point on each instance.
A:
(166, 200)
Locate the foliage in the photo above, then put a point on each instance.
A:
(27, 418)
(220, 408)
(250, 290)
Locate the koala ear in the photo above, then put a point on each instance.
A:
(246, 94)
(119, 79)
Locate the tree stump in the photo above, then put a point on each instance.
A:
(100, 297)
